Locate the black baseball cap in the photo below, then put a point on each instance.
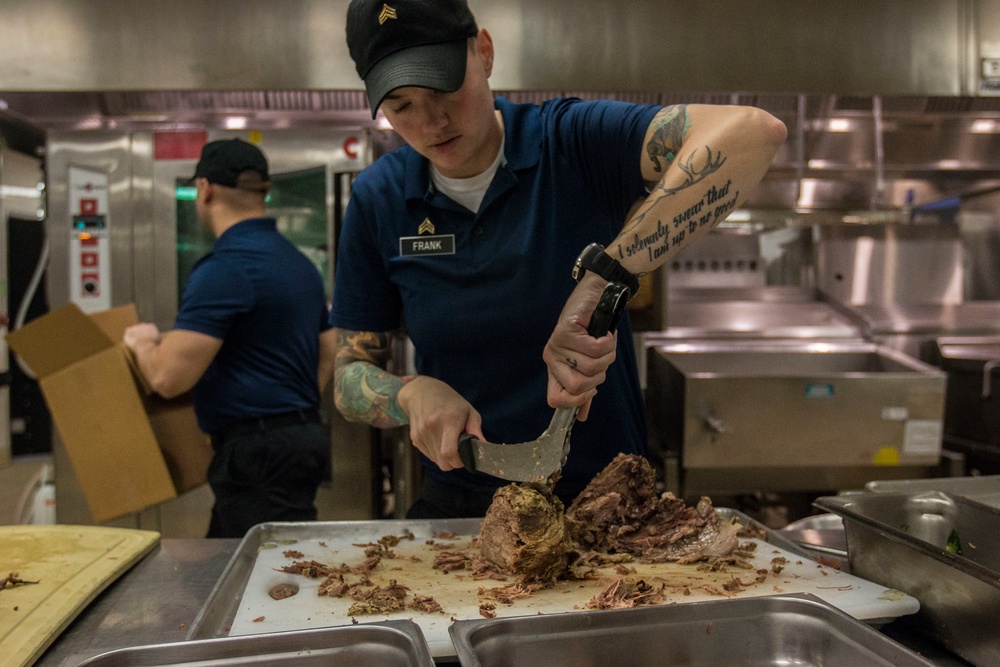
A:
(224, 160)
(396, 43)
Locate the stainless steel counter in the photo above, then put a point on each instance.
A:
(153, 603)
(157, 600)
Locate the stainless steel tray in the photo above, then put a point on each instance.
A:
(772, 630)
(983, 489)
(217, 614)
(387, 643)
(901, 540)
(239, 604)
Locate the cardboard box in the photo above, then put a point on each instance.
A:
(129, 448)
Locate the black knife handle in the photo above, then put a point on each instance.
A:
(465, 451)
(609, 309)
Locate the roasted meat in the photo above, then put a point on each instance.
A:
(524, 534)
(620, 512)
(527, 533)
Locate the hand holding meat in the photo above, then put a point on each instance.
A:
(577, 362)
(438, 416)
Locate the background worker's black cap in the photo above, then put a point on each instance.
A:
(224, 160)
(396, 43)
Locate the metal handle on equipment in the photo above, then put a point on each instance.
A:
(987, 372)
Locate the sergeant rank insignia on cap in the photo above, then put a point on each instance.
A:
(386, 14)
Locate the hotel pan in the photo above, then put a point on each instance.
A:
(775, 630)
(940, 548)
(387, 644)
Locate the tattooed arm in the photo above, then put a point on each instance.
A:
(699, 163)
(364, 392)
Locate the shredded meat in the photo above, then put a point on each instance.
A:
(13, 579)
(507, 594)
(627, 592)
(378, 600)
(447, 561)
(425, 603)
(312, 569)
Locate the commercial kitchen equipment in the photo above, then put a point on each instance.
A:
(745, 312)
(750, 415)
(903, 285)
(972, 403)
(24, 423)
(942, 549)
(983, 489)
(913, 327)
(771, 312)
(888, 264)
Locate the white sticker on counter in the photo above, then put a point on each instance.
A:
(922, 437)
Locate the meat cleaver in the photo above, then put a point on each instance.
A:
(535, 461)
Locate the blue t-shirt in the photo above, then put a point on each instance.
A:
(265, 300)
(479, 293)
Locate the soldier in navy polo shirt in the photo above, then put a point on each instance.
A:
(466, 238)
(247, 339)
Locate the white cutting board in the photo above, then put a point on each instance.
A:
(456, 591)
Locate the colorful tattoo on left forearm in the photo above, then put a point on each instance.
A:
(366, 393)
(362, 390)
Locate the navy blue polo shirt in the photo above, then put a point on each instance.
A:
(479, 293)
(265, 300)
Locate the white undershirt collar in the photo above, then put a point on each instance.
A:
(469, 192)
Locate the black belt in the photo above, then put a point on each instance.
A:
(268, 423)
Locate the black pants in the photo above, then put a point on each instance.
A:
(443, 501)
(267, 474)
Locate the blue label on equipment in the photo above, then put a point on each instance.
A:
(819, 391)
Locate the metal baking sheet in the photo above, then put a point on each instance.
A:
(240, 604)
(397, 643)
(752, 631)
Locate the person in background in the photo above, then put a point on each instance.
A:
(467, 237)
(247, 339)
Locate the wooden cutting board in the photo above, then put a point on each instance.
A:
(457, 592)
(71, 564)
